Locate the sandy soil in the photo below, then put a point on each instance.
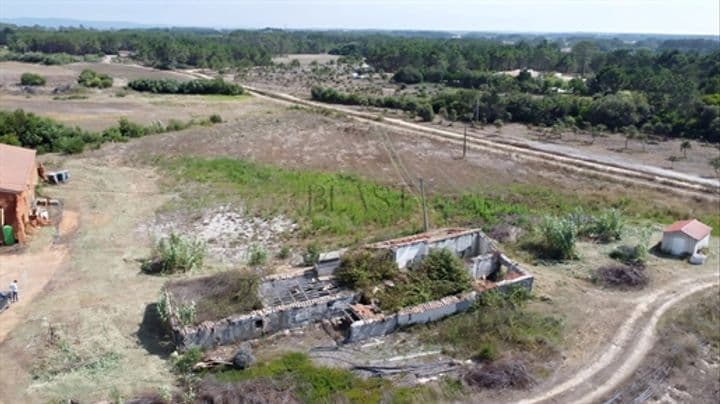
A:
(97, 300)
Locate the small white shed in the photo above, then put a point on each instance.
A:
(685, 237)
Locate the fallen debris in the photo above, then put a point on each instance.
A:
(501, 374)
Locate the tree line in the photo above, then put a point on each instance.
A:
(199, 86)
(628, 112)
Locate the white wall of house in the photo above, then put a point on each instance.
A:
(679, 243)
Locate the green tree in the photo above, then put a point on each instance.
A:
(684, 147)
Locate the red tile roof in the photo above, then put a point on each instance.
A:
(16, 164)
(693, 228)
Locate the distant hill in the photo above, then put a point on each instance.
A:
(66, 22)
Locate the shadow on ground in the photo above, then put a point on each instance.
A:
(153, 335)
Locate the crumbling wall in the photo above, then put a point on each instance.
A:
(253, 325)
(432, 311)
(420, 314)
(483, 266)
(467, 244)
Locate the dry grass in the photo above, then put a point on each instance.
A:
(217, 296)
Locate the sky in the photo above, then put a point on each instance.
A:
(612, 16)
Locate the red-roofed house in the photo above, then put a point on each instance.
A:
(685, 237)
(18, 177)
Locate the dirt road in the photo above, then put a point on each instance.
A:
(628, 174)
(32, 271)
(627, 349)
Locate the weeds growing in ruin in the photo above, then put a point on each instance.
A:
(441, 273)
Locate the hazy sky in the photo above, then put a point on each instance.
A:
(651, 16)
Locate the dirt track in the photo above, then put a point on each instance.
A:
(627, 348)
(624, 174)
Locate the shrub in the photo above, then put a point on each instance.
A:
(558, 237)
(365, 268)
(175, 254)
(91, 78)
(622, 275)
(312, 254)
(284, 252)
(215, 118)
(631, 255)
(130, 129)
(608, 226)
(71, 145)
(199, 86)
(32, 79)
(258, 255)
(187, 313)
(186, 361)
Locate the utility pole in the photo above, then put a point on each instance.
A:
(426, 225)
(465, 142)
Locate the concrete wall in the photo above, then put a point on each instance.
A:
(431, 311)
(465, 245)
(260, 322)
(484, 265)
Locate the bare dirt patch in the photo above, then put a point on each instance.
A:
(229, 233)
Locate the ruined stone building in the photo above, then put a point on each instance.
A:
(309, 295)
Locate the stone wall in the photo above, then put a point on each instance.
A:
(432, 311)
(255, 324)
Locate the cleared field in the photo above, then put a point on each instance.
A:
(305, 59)
(10, 73)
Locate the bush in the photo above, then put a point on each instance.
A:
(608, 226)
(199, 86)
(91, 78)
(631, 255)
(622, 275)
(284, 252)
(187, 313)
(258, 256)
(175, 254)
(71, 145)
(186, 361)
(365, 268)
(32, 79)
(558, 238)
(215, 118)
(312, 254)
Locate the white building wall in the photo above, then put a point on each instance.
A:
(680, 244)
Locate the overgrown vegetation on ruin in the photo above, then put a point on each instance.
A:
(215, 296)
(375, 273)
(497, 325)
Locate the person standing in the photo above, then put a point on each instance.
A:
(14, 292)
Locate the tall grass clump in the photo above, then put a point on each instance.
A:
(558, 238)
(175, 254)
(608, 226)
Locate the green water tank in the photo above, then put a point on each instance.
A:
(8, 236)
